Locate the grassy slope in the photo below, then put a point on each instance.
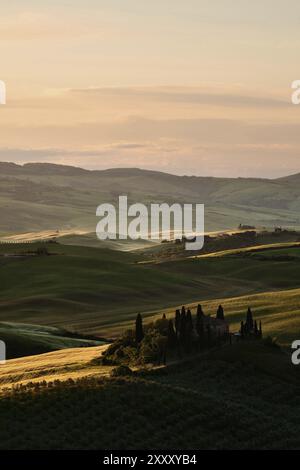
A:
(100, 291)
(272, 249)
(78, 238)
(243, 396)
(25, 339)
(90, 239)
(279, 312)
(220, 243)
(58, 365)
(41, 197)
(82, 287)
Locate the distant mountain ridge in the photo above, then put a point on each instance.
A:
(46, 168)
(42, 196)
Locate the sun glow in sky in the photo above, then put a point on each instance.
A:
(194, 87)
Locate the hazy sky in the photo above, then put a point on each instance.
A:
(189, 87)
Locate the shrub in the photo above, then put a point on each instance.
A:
(122, 350)
(152, 347)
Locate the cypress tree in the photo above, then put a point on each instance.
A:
(189, 330)
(249, 321)
(200, 323)
(260, 329)
(171, 334)
(256, 332)
(242, 329)
(182, 329)
(199, 311)
(189, 320)
(177, 322)
(220, 313)
(139, 331)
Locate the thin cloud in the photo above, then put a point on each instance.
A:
(188, 95)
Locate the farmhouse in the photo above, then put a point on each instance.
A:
(216, 325)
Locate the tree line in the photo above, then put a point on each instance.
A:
(184, 334)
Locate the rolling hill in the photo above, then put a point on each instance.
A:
(25, 339)
(239, 396)
(243, 396)
(36, 197)
(69, 363)
(97, 291)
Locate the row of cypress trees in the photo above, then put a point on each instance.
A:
(183, 326)
(181, 331)
(250, 326)
(186, 333)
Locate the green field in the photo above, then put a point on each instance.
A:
(26, 339)
(99, 291)
(279, 312)
(241, 396)
(83, 288)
